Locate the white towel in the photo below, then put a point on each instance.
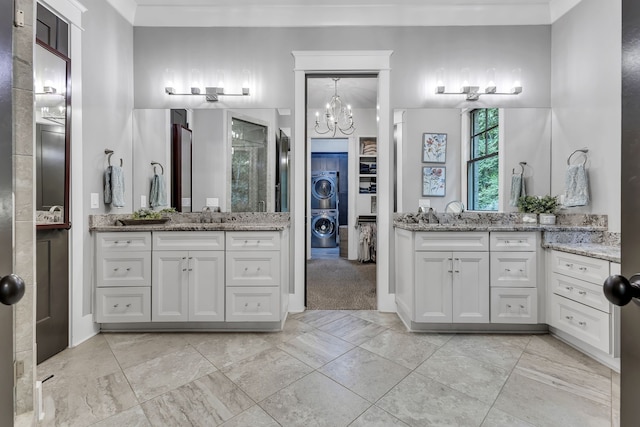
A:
(117, 187)
(576, 186)
(158, 194)
(517, 189)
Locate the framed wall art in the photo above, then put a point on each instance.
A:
(434, 147)
(434, 181)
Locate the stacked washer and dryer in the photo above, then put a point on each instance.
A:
(324, 209)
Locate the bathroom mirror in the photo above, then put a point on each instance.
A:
(524, 133)
(240, 157)
(52, 141)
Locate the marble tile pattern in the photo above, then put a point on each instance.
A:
(198, 221)
(330, 368)
(497, 221)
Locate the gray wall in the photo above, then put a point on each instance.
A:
(586, 90)
(107, 84)
(266, 53)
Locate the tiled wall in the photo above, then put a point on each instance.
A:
(23, 164)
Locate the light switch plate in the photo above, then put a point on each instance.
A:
(143, 201)
(95, 200)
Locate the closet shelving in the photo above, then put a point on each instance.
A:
(367, 175)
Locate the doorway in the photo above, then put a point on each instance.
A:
(341, 110)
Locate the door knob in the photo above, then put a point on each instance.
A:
(619, 290)
(12, 289)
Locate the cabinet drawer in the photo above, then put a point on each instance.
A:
(253, 240)
(513, 269)
(584, 268)
(253, 268)
(513, 241)
(451, 241)
(514, 305)
(582, 322)
(124, 269)
(580, 291)
(249, 304)
(188, 240)
(124, 241)
(123, 305)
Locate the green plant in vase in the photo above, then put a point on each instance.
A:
(545, 206)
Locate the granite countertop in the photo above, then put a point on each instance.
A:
(211, 221)
(495, 227)
(593, 250)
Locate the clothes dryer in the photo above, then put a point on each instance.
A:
(324, 228)
(324, 190)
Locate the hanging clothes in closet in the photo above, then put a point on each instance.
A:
(367, 243)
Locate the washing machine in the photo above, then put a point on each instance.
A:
(324, 190)
(324, 228)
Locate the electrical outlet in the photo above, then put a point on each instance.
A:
(143, 201)
(95, 200)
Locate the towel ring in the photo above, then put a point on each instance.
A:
(109, 153)
(584, 151)
(522, 165)
(154, 167)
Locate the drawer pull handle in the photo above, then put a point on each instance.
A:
(569, 265)
(258, 269)
(115, 306)
(522, 306)
(184, 257)
(128, 305)
(568, 317)
(128, 268)
(258, 304)
(246, 241)
(569, 288)
(246, 269)
(115, 269)
(190, 257)
(246, 304)
(582, 292)
(184, 269)
(258, 242)
(582, 268)
(520, 241)
(128, 242)
(582, 323)
(507, 241)
(191, 269)
(508, 306)
(507, 270)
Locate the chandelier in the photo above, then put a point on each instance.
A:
(337, 117)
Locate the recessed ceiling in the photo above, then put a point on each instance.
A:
(315, 13)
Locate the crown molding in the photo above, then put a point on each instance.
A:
(195, 13)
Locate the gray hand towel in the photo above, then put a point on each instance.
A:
(517, 189)
(117, 187)
(107, 186)
(576, 186)
(158, 194)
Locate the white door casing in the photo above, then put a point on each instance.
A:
(375, 62)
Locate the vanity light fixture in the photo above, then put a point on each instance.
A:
(211, 94)
(337, 116)
(473, 92)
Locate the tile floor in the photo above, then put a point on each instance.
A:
(328, 368)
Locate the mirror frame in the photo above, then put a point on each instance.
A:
(180, 187)
(65, 224)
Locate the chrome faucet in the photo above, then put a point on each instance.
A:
(431, 216)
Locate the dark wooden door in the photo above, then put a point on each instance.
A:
(630, 318)
(52, 306)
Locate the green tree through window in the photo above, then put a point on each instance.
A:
(482, 166)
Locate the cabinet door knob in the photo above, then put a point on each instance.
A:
(128, 242)
(128, 268)
(128, 305)
(508, 305)
(522, 306)
(115, 306)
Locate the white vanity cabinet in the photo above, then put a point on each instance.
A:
(188, 276)
(123, 277)
(253, 276)
(579, 309)
(442, 277)
(514, 293)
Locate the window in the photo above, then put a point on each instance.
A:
(482, 166)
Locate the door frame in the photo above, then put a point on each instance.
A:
(343, 62)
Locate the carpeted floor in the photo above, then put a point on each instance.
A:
(340, 284)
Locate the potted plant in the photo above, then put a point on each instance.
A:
(545, 207)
